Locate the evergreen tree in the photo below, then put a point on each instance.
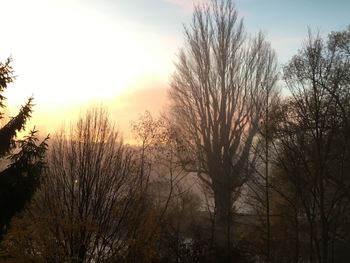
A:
(20, 179)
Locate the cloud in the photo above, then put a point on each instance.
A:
(122, 110)
(186, 5)
(128, 107)
(286, 46)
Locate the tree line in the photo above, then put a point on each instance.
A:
(232, 172)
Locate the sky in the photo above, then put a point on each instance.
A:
(70, 54)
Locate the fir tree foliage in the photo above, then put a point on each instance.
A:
(20, 179)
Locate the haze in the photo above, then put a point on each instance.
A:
(70, 54)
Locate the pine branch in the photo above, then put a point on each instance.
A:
(16, 124)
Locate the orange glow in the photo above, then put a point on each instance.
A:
(69, 56)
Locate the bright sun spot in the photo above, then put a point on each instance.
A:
(68, 54)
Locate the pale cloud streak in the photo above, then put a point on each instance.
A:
(68, 55)
(286, 46)
(186, 5)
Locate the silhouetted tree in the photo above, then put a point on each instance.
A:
(313, 142)
(20, 179)
(157, 157)
(89, 200)
(218, 100)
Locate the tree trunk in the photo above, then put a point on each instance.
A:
(223, 216)
(297, 239)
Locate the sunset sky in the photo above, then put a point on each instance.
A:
(69, 54)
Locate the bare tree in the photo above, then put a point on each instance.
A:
(164, 175)
(218, 99)
(90, 196)
(313, 141)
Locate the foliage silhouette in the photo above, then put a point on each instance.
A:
(19, 181)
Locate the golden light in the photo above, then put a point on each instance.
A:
(67, 55)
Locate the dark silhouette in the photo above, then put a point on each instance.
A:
(21, 178)
(312, 146)
(233, 173)
(218, 99)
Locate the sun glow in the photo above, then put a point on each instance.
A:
(66, 54)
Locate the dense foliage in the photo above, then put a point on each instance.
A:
(21, 177)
